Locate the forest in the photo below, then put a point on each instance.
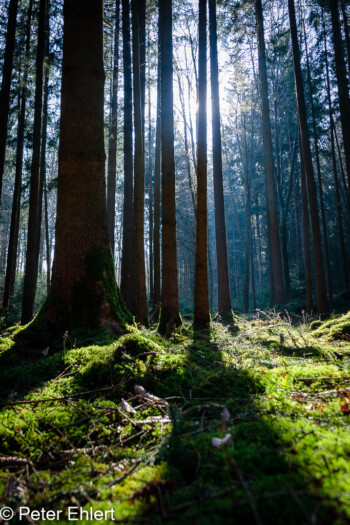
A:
(174, 261)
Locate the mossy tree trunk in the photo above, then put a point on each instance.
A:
(169, 315)
(83, 289)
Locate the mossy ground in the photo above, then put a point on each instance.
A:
(287, 389)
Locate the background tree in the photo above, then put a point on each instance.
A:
(6, 82)
(201, 299)
(169, 314)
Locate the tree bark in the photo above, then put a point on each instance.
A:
(307, 255)
(16, 204)
(35, 196)
(277, 288)
(335, 171)
(138, 21)
(83, 292)
(201, 299)
(150, 192)
(318, 169)
(113, 130)
(342, 81)
(6, 83)
(224, 296)
(169, 313)
(157, 167)
(322, 303)
(127, 285)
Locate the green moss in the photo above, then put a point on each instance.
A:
(97, 306)
(336, 328)
(286, 438)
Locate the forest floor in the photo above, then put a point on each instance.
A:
(127, 426)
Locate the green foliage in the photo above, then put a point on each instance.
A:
(337, 328)
(286, 392)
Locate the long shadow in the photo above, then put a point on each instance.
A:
(248, 480)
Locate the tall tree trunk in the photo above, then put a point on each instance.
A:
(6, 83)
(47, 238)
(307, 255)
(224, 296)
(169, 314)
(342, 81)
(322, 303)
(277, 287)
(40, 242)
(150, 191)
(318, 169)
(138, 13)
(113, 130)
(346, 31)
(127, 285)
(83, 288)
(247, 226)
(201, 299)
(157, 165)
(16, 204)
(335, 170)
(35, 196)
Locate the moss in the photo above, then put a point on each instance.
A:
(286, 438)
(316, 324)
(336, 328)
(97, 305)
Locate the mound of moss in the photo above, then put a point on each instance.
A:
(334, 329)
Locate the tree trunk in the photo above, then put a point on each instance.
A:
(247, 228)
(16, 204)
(150, 192)
(277, 287)
(346, 31)
(322, 303)
(157, 165)
(113, 130)
(201, 299)
(318, 168)
(35, 196)
(307, 255)
(224, 297)
(169, 314)
(138, 13)
(83, 290)
(6, 83)
(335, 172)
(342, 81)
(127, 285)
